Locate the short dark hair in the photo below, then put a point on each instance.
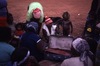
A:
(66, 15)
(20, 25)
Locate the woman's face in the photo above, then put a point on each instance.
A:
(37, 13)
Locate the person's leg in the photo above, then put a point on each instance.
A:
(91, 19)
(94, 7)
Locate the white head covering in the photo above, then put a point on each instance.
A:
(33, 6)
(82, 46)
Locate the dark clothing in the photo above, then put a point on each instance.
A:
(94, 7)
(39, 24)
(3, 13)
(30, 40)
(92, 20)
(97, 62)
(6, 18)
(3, 3)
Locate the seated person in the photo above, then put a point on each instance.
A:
(17, 33)
(84, 56)
(5, 48)
(33, 41)
(35, 13)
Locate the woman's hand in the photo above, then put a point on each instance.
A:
(48, 20)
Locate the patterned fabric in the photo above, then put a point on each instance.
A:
(56, 57)
(83, 48)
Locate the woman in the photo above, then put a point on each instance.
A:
(35, 13)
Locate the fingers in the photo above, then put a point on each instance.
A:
(48, 20)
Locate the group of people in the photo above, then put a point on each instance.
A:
(29, 37)
(33, 38)
(34, 46)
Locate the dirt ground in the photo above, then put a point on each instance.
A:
(78, 10)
